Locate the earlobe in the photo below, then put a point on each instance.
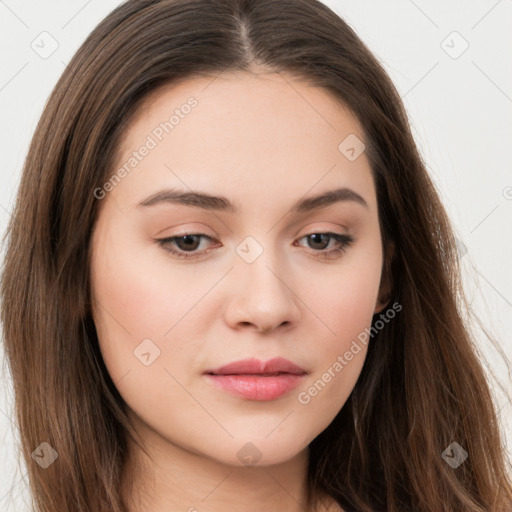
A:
(386, 281)
(382, 303)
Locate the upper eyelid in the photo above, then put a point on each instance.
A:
(191, 233)
(310, 231)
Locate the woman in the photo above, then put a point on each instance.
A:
(230, 281)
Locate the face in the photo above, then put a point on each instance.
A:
(184, 286)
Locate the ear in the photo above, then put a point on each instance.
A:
(386, 280)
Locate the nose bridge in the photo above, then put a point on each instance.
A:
(263, 293)
(259, 267)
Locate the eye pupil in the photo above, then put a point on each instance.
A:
(189, 242)
(317, 238)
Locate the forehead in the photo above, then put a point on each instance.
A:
(257, 102)
(252, 130)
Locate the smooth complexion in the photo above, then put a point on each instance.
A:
(263, 141)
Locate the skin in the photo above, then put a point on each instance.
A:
(264, 141)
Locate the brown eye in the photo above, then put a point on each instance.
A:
(320, 242)
(188, 242)
(184, 246)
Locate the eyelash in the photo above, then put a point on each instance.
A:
(344, 240)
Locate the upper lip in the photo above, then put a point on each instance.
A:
(254, 366)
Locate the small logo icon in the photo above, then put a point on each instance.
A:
(351, 147)
(462, 250)
(455, 455)
(44, 455)
(146, 352)
(249, 454)
(454, 45)
(44, 45)
(249, 249)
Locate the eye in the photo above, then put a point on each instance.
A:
(318, 241)
(185, 246)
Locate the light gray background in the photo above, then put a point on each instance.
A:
(460, 107)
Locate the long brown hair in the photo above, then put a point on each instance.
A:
(422, 386)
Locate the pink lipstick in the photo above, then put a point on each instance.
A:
(257, 380)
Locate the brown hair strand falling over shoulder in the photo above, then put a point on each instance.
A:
(383, 449)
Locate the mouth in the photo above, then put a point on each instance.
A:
(255, 380)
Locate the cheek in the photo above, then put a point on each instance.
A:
(344, 297)
(141, 305)
(128, 305)
(138, 297)
(345, 302)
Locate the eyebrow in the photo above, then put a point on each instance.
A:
(220, 203)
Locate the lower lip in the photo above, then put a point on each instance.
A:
(255, 387)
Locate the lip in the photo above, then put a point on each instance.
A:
(253, 366)
(257, 380)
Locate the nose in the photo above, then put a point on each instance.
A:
(262, 297)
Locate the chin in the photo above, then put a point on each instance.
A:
(258, 452)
